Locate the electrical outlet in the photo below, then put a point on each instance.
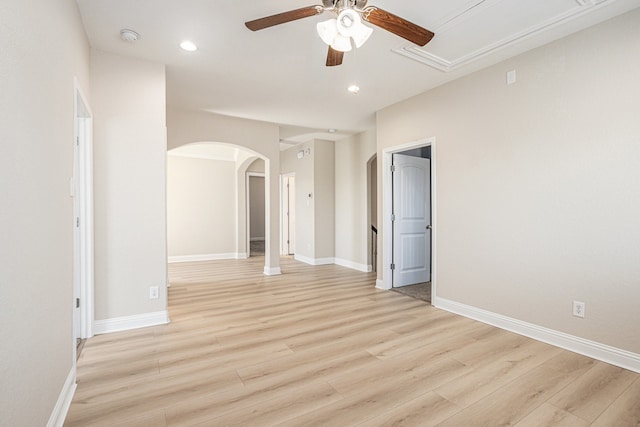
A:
(578, 309)
(153, 292)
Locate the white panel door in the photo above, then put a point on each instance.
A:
(412, 220)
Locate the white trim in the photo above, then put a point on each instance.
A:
(64, 401)
(387, 208)
(272, 271)
(353, 265)
(284, 247)
(314, 261)
(206, 257)
(421, 54)
(380, 285)
(595, 350)
(83, 234)
(131, 322)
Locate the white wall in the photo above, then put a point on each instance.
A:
(352, 227)
(538, 196)
(201, 214)
(128, 100)
(42, 48)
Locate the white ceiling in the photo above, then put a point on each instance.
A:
(278, 74)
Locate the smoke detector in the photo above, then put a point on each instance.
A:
(129, 36)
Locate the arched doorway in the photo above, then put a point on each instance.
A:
(207, 202)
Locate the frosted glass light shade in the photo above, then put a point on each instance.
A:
(341, 43)
(328, 30)
(362, 35)
(338, 33)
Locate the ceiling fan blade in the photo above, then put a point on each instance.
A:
(398, 26)
(281, 18)
(334, 57)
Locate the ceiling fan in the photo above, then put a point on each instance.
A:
(339, 32)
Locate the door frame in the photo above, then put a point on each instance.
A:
(401, 277)
(372, 248)
(284, 220)
(387, 209)
(82, 188)
(248, 198)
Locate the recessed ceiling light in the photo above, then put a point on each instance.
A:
(353, 89)
(189, 46)
(129, 36)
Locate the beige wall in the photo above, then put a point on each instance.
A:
(352, 227)
(256, 166)
(256, 202)
(42, 48)
(257, 199)
(324, 198)
(304, 207)
(314, 194)
(538, 196)
(128, 101)
(201, 214)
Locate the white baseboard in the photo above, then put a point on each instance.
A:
(272, 271)
(353, 265)
(615, 356)
(131, 322)
(257, 239)
(380, 285)
(206, 257)
(337, 261)
(314, 261)
(64, 401)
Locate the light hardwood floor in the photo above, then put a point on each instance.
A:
(320, 346)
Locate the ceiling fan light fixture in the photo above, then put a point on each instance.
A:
(341, 43)
(348, 22)
(328, 30)
(361, 35)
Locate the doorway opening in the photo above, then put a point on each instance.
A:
(409, 219)
(82, 192)
(207, 203)
(256, 213)
(288, 214)
(372, 212)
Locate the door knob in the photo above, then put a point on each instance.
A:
(429, 227)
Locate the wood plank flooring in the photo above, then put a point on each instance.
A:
(320, 346)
